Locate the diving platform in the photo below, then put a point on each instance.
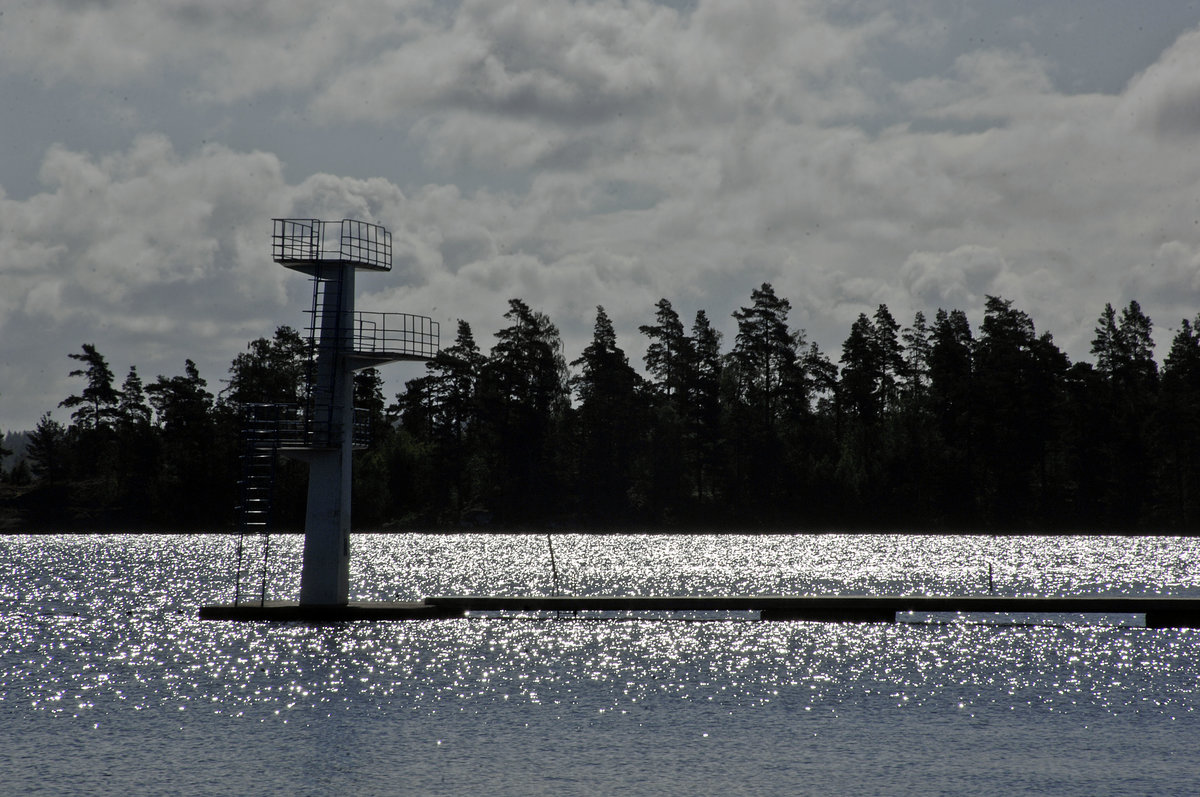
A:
(1160, 612)
(325, 429)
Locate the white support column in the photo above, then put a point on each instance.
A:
(325, 575)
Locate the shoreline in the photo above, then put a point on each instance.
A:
(45, 510)
(8, 529)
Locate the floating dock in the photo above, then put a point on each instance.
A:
(1159, 612)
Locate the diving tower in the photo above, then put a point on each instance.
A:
(326, 430)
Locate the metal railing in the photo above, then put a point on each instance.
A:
(291, 426)
(396, 333)
(349, 241)
(402, 335)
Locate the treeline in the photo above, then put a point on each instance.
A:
(929, 426)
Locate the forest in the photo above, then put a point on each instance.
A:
(933, 426)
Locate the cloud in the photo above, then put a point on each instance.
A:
(225, 50)
(1171, 277)
(1165, 98)
(956, 279)
(575, 154)
(144, 252)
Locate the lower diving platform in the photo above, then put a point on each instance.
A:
(1160, 612)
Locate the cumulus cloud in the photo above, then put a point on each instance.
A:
(575, 154)
(160, 255)
(1165, 98)
(224, 50)
(955, 279)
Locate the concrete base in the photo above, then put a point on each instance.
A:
(1159, 612)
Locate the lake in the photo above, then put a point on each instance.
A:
(109, 684)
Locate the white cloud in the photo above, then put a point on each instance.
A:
(226, 50)
(1165, 99)
(956, 279)
(584, 153)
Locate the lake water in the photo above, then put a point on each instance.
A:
(109, 684)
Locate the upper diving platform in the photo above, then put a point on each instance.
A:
(311, 245)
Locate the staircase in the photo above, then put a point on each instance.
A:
(260, 439)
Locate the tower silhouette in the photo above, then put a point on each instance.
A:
(326, 430)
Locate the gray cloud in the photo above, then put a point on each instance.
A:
(576, 154)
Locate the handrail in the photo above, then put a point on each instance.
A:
(400, 334)
(348, 241)
(272, 426)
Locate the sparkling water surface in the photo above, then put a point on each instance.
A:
(109, 684)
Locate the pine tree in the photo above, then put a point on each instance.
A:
(703, 420)
(48, 452)
(891, 357)
(764, 356)
(669, 354)
(1124, 352)
(1137, 350)
(368, 401)
(523, 399)
(1018, 382)
(1179, 426)
(193, 462)
(608, 423)
(767, 395)
(453, 384)
(951, 387)
(918, 346)
(444, 406)
(862, 372)
(96, 404)
(270, 371)
(137, 442)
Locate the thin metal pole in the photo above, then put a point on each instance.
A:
(553, 565)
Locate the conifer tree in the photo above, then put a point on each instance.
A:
(891, 357)
(193, 462)
(132, 410)
(523, 399)
(703, 404)
(918, 346)
(608, 423)
(137, 442)
(48, 452)
(1018, 383)
(96, 404)
(768, 392)
(669, 354)
(444, 404)
(862, 372)
(270, 371)
(1124, 352)
(1179, 426)
(764, 356)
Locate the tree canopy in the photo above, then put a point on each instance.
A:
(933, 425)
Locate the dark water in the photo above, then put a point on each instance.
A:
(110, 685)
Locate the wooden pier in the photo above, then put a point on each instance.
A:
(1159, 612)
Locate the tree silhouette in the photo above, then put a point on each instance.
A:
(96, 404)
(523, 400)
(48, 452)
(607, 424)
(1179, 426)
(270, 371)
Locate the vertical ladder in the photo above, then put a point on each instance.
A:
(256, 485)
(326, 292)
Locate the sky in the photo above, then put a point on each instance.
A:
(920, 154)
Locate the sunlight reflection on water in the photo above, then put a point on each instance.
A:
(101, 648)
